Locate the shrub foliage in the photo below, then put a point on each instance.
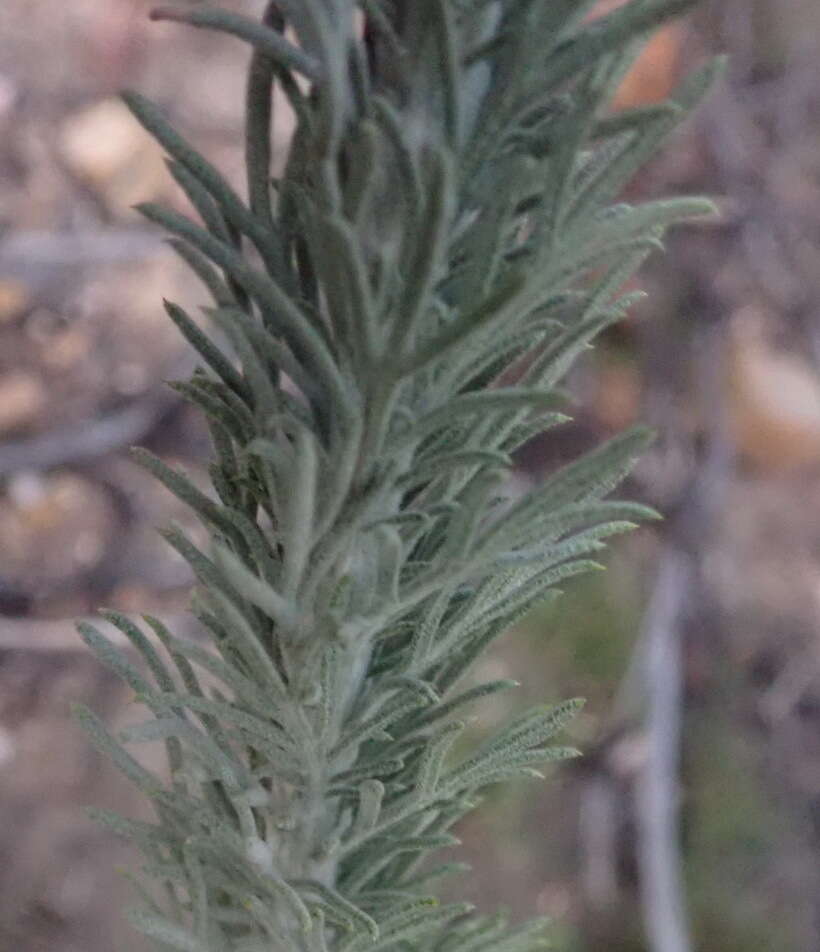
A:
(446, 222)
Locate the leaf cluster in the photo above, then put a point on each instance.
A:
(447, 220)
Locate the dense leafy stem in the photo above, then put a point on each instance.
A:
(448, 210)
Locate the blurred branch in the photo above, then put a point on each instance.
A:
(88, 440)
(37, 635)
(661, 884)
(28, 250)
(39, 258)
(679, 591)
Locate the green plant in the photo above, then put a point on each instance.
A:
(447, 214)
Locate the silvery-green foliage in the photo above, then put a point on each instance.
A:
(448, 210)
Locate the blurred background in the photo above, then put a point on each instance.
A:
(693, 821)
